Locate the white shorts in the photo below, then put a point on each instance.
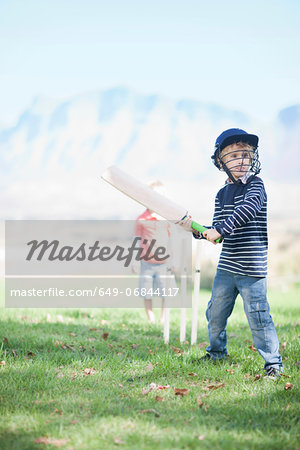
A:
(153, 280)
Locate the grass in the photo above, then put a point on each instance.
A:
(45, 393)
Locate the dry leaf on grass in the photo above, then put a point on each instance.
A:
(201, 437)
(89, 371)
(230, 371)
(158, 398)
(288, 386)
(257, 377)
(50, 441)
(149, 367)
(252, 348)
(134, 346)
(163, 387)
(181, 392)
(2, 363)
(193, 374)
(178, 351)
(200, 402)
(93, 329)
(202, 344)
(105, 335)
(150, 411)
(213, 387)
(118, 441)
(146, 391)
(57, 411)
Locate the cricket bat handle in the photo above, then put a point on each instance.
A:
(196, 226)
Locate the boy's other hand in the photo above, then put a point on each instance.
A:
(211, 235)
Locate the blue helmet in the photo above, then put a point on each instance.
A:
(231, 136)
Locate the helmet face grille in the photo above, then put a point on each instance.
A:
(240, 165)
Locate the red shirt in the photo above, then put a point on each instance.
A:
(148, 227)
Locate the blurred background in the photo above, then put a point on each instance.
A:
(148, 86)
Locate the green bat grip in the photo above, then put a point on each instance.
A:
(196, 226)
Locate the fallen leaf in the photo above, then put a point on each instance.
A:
(57, 411)
(60, 319)
(118, 441)
(230, 371)
(181, 392)
(60, 375)
(93, 329)
(147, 411)
(73, 422)
(103, 322)
(158, 398)
(283, 345)
(201, 437)
(89, 371)
(164, 387)
(149, 367)
(257, 377)
(134, 346)
(146, 391)
(2, 363)
(14, 353)
(193, 374)
(178, 351)
(212, 387)
(202, 344)
(5, 340)
(206, 408)
(72, 334)
(105, 335)
(200, 402)
(151, 352)
(43, 440)
(58, 343)
(59, 442)
(288, 386)
(287, 406)
(91, 339)
(252, 348)
(49, 441)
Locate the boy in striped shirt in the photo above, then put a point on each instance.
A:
(240, 220)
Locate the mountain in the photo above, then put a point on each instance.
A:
(52, 158)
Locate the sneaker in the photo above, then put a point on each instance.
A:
(272, 373)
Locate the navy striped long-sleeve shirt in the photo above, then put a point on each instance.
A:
(240, 216)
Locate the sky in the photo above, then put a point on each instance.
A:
(243, 55)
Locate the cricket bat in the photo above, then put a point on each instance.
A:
(147, 197)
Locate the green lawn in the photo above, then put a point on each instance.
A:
(46, 392)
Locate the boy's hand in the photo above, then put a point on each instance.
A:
(211, 235)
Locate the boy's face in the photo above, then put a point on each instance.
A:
(237, 158)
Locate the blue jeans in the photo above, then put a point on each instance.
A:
(226, 287)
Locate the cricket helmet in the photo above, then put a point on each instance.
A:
(231, 136)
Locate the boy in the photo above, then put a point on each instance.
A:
(240, 220)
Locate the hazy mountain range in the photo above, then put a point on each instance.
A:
(52, 158)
